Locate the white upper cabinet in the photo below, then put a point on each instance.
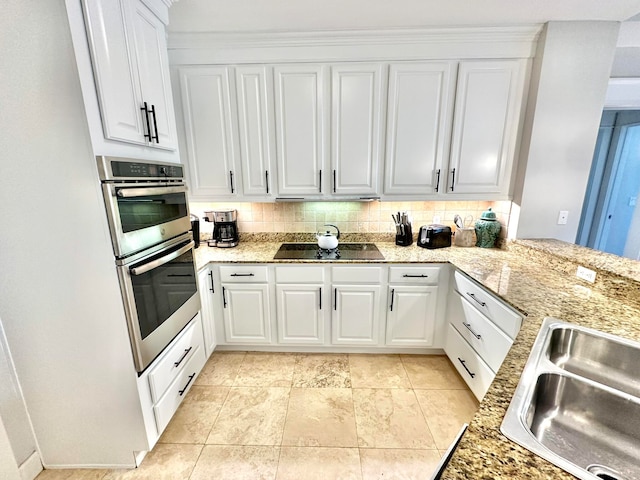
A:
(356, 101)
(153, 69)
(254, 92)
(131, 68)
(300, 134)
(420, 102)
(210, 134)
(489, 98)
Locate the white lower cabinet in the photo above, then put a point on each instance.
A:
(356, 315)
(166, 382)
(207, 291)
(246, 304)
(246, 313)
(480, 332)
(300, 316)
(470, 366)
(356, 306)
(411, 317)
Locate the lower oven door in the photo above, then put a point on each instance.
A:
(160, 296)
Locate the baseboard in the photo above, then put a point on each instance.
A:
(31, 467)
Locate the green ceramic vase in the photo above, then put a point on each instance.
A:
(487, 229)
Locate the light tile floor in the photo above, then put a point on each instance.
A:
(281, 416)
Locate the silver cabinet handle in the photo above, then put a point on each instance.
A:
(479, 302)
(468, 325)
(143, 192)
(161, 261)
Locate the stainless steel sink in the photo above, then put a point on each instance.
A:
(607, 360)
(578, 402)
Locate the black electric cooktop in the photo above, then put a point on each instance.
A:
(345, 251)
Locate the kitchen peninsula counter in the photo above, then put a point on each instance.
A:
(532, 277)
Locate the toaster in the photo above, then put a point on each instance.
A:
(434, 236)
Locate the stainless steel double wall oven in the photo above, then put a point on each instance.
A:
(148, 213)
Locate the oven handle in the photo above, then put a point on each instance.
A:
(161, 261)
(142, 192)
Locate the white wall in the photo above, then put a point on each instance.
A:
(59, 297)
(569, 83)
(12, 409)
(8, 467)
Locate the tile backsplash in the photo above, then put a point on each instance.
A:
(350, 217)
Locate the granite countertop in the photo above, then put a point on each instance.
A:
(537, 278)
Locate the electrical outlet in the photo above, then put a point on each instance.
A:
(562, 217)
(586, 274)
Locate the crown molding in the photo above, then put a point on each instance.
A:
(397, 44)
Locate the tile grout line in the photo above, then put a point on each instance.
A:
(286, 414)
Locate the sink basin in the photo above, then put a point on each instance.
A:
(578, 404)
(605, 360)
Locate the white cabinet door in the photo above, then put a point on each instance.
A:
(356, 315)
(300, 314)
(300, 137)
(207, 290)
(255, 121)
(210, 135)
(131, 68)
(411, 318)
(115, 71)
(153, 70)
(356, 98)
(246, 313)
(488, 101)
(419, 113)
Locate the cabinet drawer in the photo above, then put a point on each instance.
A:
(426, 275)
(244, 274)
(357, 274)
(300, 274)
(506, 319)
(169, 403)
(175, 358)
(477, 374)
(491, 343)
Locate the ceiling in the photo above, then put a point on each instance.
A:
(310, 15)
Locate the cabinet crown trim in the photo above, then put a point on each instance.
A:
(449, 42)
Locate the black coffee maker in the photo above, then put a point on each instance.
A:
(225, 228)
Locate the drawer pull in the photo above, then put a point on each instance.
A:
(406, 275)
(184, 355)
(242, 275)
(465, 367)
(482, 304)
(468, 325)
(191, 377)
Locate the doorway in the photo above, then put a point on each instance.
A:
(610, 219)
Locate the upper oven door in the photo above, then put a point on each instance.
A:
(143, 216)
